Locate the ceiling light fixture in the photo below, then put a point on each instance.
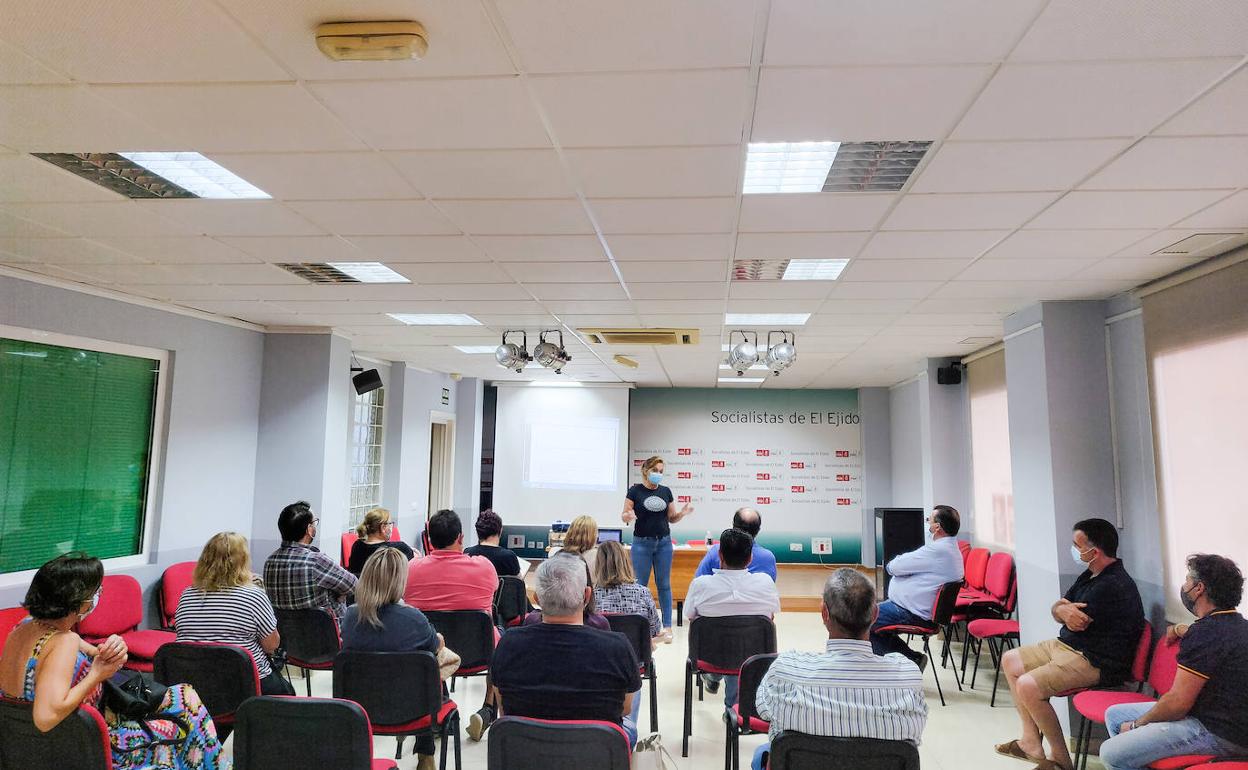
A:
(744, 354)
(766, 319)
(741, 380)
(435, 319)
(814, 269)
(787, 167)
(509, 355)
(759, 367)
(624, 360)
(783, 354)
(196, 174)
(369, 272)
(476, 350)
(372, 40)
(550, 355)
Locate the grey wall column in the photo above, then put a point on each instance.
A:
(877, 477)
(466, 496)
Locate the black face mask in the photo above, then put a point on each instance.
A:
(1189, 603)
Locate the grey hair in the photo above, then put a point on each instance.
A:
(850, 599)
(561, 584)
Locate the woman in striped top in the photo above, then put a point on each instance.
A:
(224, 605)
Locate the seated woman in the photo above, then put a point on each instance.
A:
(224, 604)
(616, 592)
(46, 663)
(379, 621)
(592, 617)
(582, 539)
(374, 534)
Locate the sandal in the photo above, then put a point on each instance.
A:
(1014, 751)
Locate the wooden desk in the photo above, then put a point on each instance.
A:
(685, 562)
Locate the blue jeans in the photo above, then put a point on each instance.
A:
(636, 712)
(630, 726)
(892, 615)
(656, 552)
(731, 685)
(757, 762)
(1138, 748)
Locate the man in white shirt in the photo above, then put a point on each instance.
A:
(917, 578)
(846, 691)
(731, 590)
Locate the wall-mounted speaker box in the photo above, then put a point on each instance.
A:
(949, 375)
(366, 381)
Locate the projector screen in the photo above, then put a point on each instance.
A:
(560, 452)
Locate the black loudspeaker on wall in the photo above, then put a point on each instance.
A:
(366, 381)
(949, 375)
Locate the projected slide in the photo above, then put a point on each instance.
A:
(572, 453)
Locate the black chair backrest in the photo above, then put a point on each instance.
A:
(726, 642)
(470, 633)
(517, 743)
(309, 636)
(798, 751)
(394, 688)
(223, 675)
(280, 733)
(946, 603)
(637, 629)
(752, 672)
(511, 600)
(79, 742)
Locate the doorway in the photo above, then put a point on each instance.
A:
(441, 461)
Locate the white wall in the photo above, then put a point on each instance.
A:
(877, 486)
(412, 397)
(906, 444)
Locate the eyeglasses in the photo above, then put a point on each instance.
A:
(316, 520)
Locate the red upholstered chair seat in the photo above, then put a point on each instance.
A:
(415, 725)
(707, 668)
(756, 725)
(991, 628)
(1093, 704)
(1187, 760)
(144, 644)
(907, 629)
(385, 764)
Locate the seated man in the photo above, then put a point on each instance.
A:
(449, 579)
(917, 578)
(1206, 711)
(750, 522)
(297, 576)
(1102, 618)
(846, 691)
(489, 528)
(559, 669)
(731, 590)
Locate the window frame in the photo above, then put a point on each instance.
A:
(353, 448)
(156, 455)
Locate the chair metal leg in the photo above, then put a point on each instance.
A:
(996, 665)
(452, 683)
(398, 746)
(307, 679)
(927, 650)
(979, 648)
(1081, 737)
(687, 727)
(654, 700)
(455, 737)
(727, 742)
(698, 678)
(446, 736)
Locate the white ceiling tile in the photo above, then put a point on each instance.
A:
(600, 321)
(1023, 269)
(397, 115)
(477, 292)
(321, 308)
(453, 272)
(903, 269)
(375, 217)
(779, 290)
(18, 68)
(462, 41)
(799, 245)
(231, 118)
(484, 173)
(1036, 101)
(922, 103)
(114, 218)
(852, 322)
(812, 32)
(1064, 244)
(966, 211)
(572, 36)
(1169, 163)
(1231, 212)
(560, 291)
(709, 323)
(1014, 166)
(1135, 269)
(317, 248)
(673, 272)
(664, 215)
(582, 307)
(518, 217)
(657, 172)
(662, 306)
(196, 249)
(1030, 291)
(127, 274)
(255, 312)
(27, 179)
(1165, 238)
(233, 217)
(542, 248)
(70, 118)
(224, 275)
(883, 289)
(949, 318)
(930, 244)
(1124, 209)
(1221, 111)
(1001, 306)
(680, 290)
(699, 247)
(419, 248)
(65, 251)
(881, 305)
(813, 211)
(343, 292)
(319, 176)
(14, 226)
(622, 110)
(599, 271)
(1125, 29)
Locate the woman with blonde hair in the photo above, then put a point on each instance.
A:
(582, 539)
(653, 507)
(374, 534)
(224, 605)
(617, 592)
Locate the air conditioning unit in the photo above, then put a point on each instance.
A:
(640, 336)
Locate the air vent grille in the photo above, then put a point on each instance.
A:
(113, 172)
(759, 269)
(640, 336)
(317, 272)
(874, 166)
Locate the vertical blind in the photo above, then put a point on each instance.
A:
(992, 477)
(75, 451)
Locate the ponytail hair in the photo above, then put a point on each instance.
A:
(373, 521)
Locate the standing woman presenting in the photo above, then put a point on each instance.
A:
(653, 508)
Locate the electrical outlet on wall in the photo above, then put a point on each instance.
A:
(515, 541)
(795, 546)
(532, 544)
(821, 545)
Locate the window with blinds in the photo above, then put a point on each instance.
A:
(991, 472)
(366, 453)
(77, 429)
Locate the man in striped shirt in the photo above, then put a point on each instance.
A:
(847, 691)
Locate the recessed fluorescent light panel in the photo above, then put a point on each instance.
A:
(195, 173)
(741, 380)
(814, 269)
(435, 319)
(760, 367)
(477, 350)
(369, 272)
(787, 167)
(766, 319)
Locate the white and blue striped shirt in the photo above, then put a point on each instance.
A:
(845, 692)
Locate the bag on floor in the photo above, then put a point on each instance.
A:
(448, 662)
(649, 754)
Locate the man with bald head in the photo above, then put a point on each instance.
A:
(748, 521)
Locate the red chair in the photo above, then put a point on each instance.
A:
(275, 732)
(720, 646)
(1092, 704)
(965, 548)
(1000, 635)
(521, 743)
(175, 580)
(349, 538)
(942, 614)
(976, 572)
(120, 611)
(9, 618)
(637, 629)
(1229, 764)
(312, 639)
(79, 742)
(747, 720)
(997, 600)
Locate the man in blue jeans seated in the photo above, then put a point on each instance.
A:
(1206, 711)
(560, 669)
(750, 522)
(917, 578)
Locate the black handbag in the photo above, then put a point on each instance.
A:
(136, 697)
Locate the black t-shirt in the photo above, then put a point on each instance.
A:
(551, 671)
(1117, 614)
(650, 505)
(504, 560)
(361, 550)
(1211, 650)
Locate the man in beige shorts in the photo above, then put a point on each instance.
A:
(1102, 618)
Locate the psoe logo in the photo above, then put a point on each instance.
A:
(637, 463)
(843, 501)
(717, 463)
(842, 453)
(797, 466)
(798, 489)
(684, 499)
(762, 501)
(762, 476)
(689, 475)
(762, 453)
(842, 477)
(717, 488)
(684, 451)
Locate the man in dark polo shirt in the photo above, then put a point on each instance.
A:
(1206, 711)
(1102, 618)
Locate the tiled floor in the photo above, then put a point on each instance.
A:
(958, 736)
